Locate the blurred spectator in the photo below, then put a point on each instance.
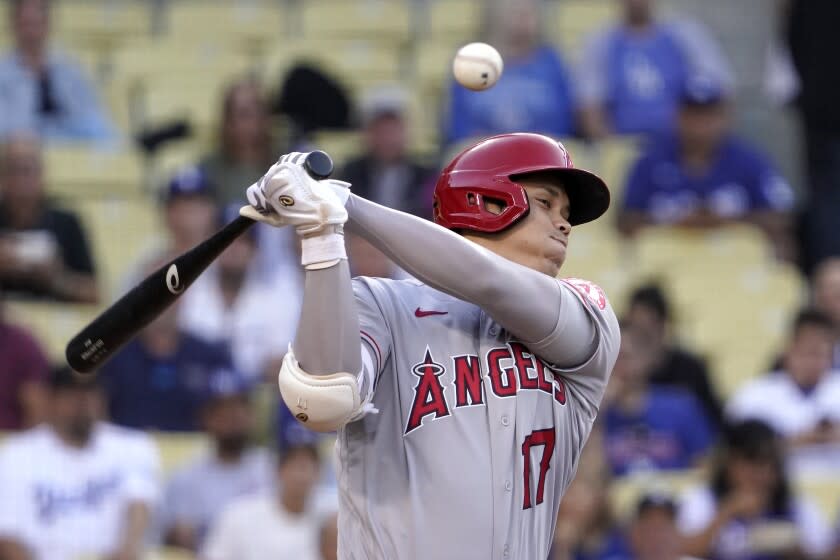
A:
(189, 215)
(653, 533)
(586, 527)
(42, 90)
(328, 543)
(23, 370)
(283, 524)
(811, 32)
(806, 385)
(703, 176)
(157, 380)
(673, 365)
(232, 468)
(76, 486)
(244, 148)
(630, 74)
(232, 304)
(826, 293)
(535, 94)
(385, 172)
(648, 427)
(748, 509)
(43, 250)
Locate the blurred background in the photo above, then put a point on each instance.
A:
(130, 130)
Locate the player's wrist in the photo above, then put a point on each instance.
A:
(323, 250)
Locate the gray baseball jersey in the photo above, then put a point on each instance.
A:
(475, 439)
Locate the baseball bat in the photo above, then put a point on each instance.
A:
(115, 326)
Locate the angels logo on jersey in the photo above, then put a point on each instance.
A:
(589, 291)
(508, 370)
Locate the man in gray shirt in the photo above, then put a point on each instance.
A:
(230, 469)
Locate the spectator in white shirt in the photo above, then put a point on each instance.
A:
(802, 400)
(233, 303)
(282, 524)
(748, 510)
(76, 486)
(231, 468)
(826, 291)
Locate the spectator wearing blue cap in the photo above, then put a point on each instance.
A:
(159, 379)
(630, 73)
(233, 304)
(703, 176)
(189, 211)
(230, 469)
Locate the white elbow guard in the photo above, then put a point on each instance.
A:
(321, 402)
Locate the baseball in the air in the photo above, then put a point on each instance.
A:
(477, 66)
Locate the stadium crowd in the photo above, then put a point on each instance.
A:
(83, 473)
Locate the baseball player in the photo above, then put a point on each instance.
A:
(463, 398)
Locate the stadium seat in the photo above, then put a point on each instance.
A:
(53, 324)
(433, 65)
(454, 19)
(251, 22)
(120, 231)
(177, 449)
(73, 171)
(357, 63)
(101, 22)
(573, 20)
(388, 19)
(155, 81)
(625, 492)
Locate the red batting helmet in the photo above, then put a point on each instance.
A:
(485, 171)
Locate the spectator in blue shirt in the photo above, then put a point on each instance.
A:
(648, 427)
(703, 176)
(630, 74)
(159, 380)
(43, 91)
(534, 93)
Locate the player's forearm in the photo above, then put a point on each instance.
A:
(327, 338)
(524, 301)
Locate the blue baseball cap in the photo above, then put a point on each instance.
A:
(226, 382)
(703, 91)
(189, 181)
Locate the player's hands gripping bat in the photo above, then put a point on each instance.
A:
(288, 195)
(122, 320)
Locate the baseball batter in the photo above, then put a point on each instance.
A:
(462, 399)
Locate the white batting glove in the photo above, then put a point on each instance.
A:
(287, 195)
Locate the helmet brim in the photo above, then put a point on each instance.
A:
(589, 197)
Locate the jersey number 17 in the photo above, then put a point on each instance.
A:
(544, 438)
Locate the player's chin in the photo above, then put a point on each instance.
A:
(554, 262)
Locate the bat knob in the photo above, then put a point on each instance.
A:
(318, 164)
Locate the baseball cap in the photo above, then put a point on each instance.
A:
(383, 101)
(703, 91)
(226, 382)
(189, 181)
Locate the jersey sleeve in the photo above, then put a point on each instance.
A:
(590, 377)
(375, 334)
